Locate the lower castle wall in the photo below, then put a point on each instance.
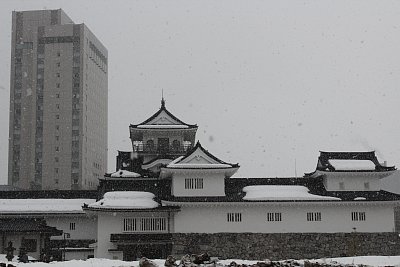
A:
(260, 246)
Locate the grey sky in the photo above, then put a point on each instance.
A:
(267, 82)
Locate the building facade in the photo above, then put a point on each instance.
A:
(168, 199)
(58, 103)
(159, 202)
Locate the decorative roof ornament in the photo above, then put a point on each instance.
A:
(162, 99)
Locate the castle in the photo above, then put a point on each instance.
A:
(170, 195)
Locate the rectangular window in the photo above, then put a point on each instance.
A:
(145, 224)
(358, 216)
(274, 216)
(234, 217)
(56, 170)
(58, 54)
(56, 159)
(314, 216)
(57, 116)
(57, 148)
(57, 95)
(58, 75)
(58, 64)
(72, 226)
(58, 85)
(57, 106)
(194, 183)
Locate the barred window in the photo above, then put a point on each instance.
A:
(358, 216)
(274, 216)
(234, 217)
(145, 224)
(194, 183)
(313, 216)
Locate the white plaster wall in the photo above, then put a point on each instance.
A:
(107, 224)
(85, 227)
(335, 218)
(352, 182)
(213, 184)
(112, 223)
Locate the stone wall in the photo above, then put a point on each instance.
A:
(286, 246)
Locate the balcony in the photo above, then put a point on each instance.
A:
(161, 150)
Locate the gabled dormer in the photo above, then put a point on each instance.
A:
(350, 171)
(161, 138)
(198, 173)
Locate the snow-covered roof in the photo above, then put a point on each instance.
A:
(343, 164)
(125, 173)
(163, 119)
(126, 200)
(20, 206)
(281, 192)
(199, 158)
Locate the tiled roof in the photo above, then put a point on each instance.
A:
(163, 108)
(325, 165)
(27, 225)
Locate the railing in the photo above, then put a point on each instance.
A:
(161, 149)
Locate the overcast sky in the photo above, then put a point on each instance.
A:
(268, 82)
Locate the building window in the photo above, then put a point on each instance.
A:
(72, 226)
(56, 159)
(145, 224)
(234, 217)
(57, 148)
(57, 116)
(366, 185)
(358, 216)
(57, 95)
(58, 54)
(58, 64)
(57, 106)
(57, 127)
(341, 185)
(58, 75)
(313, 216)
(194, 183)
(274, 216)
(30, 245)
(57, 138)
(56, 170)
(58, 85)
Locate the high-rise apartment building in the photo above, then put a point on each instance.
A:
(58, 103)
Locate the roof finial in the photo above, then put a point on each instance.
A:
(162, 98)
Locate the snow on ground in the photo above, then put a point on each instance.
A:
(364, 260)
(281, 192)
(368, 260)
